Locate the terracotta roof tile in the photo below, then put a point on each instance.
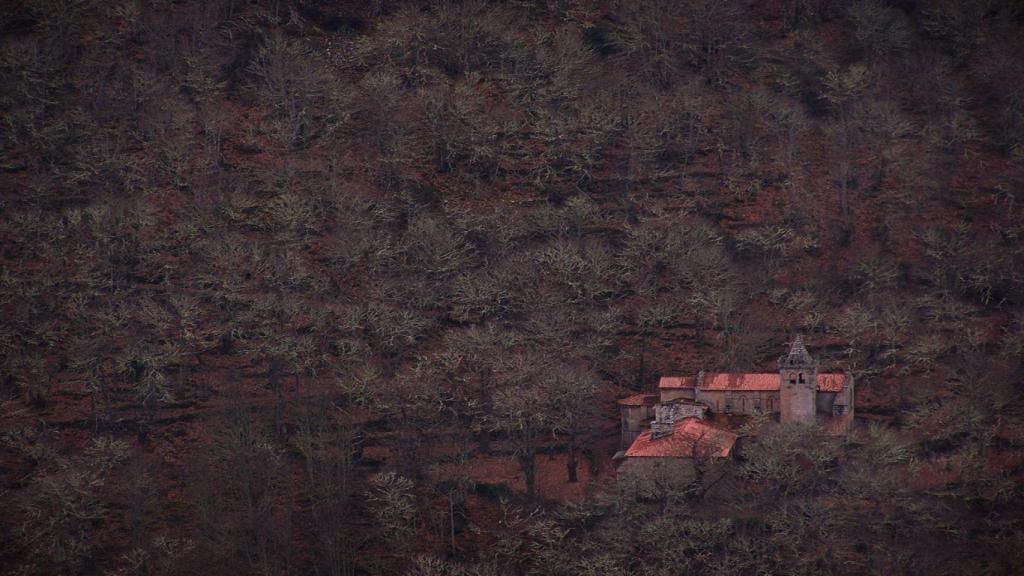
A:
(675, 382)
(639, 400)
(737, 381)
(831, 382)
(763, 381)
(691, 435)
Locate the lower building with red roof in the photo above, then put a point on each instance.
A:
(672, 453)
(690, 437)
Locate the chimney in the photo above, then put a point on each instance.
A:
(664, 422)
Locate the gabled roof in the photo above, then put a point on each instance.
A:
(672, 382)
(690, 437)
(746, 382)
(740, 381)
(639, 400)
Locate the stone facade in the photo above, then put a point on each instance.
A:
(668, 457)
(634, 414)
(678, 394)
(796, 392)
(667, 451)
(678, 410)
(798, 384)
(740, 401)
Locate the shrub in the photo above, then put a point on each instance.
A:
(584, 273)
(485, 294)
(766, 243)
(390, 329)
(946, 423)
(789, 459)
(885, 447)
(879, 30)
(955, 24)
(659, 38)
(305, 101)
(433, 247)
(65, 505)
(924, 353)
(393, 505)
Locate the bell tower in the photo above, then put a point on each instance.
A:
(798, 384)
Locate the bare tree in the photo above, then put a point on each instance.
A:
(521, 415)
(572, 407)
(843, 90)
(475, 359)
(328, 444)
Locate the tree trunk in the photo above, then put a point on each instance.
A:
(202, 387)
(276, 385)
(183, 378)
(92, 410)
(845, 172)
(451, 516)
(571, 463)
(641, 369)
(529, 467)
(484, 438)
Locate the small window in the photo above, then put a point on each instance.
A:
(801, 377)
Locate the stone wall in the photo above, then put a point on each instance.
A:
(740, 402)
(670, 394)
(634, 421)
(796, 398)
(825, 401)
(678, 410)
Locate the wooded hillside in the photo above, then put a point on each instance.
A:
(297, 287)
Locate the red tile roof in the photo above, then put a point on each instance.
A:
(675, 382)
(736, 381)
(692, 436)
(831, 382)
(747, 382)
(639, 400)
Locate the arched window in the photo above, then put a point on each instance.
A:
(801, 377)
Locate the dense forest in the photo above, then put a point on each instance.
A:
(337, 288)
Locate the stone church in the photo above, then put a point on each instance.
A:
(796, 392)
